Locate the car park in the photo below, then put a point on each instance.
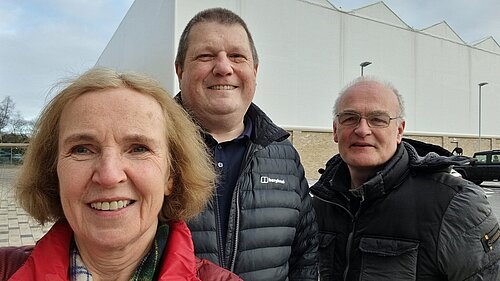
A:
(4, 156)
(10, 157)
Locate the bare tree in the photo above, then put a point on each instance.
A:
(6, 108)
(17, 123)
(26, 128)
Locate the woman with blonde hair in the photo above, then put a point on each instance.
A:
(118, 166)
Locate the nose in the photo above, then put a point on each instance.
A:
(222, 65)
(363, 129)
(109, 170)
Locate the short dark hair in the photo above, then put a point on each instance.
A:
(217, 15)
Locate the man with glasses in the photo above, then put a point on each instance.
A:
(384, 213)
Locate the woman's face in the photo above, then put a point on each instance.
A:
(113, 167)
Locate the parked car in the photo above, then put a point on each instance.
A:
(8, 157)
(484, 166)
(17, 157)
(4, 156)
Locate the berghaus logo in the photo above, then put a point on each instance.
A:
(264, 179)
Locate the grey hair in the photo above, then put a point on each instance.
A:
(363, 79)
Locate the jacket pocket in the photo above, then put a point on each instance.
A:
(388, 259)
(326, 254)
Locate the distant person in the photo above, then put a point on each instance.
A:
(495, 158)
(118, 166)
(261, 225)
(385, 213)
(457, 151)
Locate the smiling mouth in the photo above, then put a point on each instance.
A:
(111, 205)
(361, 145)
(222, 87)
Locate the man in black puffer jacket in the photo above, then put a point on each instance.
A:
(261, 223)
(385, 213)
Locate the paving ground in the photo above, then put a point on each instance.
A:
(16, 227)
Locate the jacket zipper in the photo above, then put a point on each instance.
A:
(237, 231)
(351, 234)
(351, 237)
(247, 160)
(220, 248)
(348, 250)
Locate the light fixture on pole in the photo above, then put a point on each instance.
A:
(480, 85)
(363, 65)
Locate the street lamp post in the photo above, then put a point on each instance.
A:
(480, 85)
(363, 65)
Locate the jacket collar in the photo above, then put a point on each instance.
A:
(264, 130)
(335, 179)
(179, 261)
(390, 177)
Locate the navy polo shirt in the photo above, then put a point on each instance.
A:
(228, 158)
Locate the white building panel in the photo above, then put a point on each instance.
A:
(443, 30)
(489, 44)
(144, 42)
(299, 70)
(309, 50)
(380, 12)
(441, 77)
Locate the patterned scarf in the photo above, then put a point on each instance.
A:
(148, 269)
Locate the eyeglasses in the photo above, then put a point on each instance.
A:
(375, 120)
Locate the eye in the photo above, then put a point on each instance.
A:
(80, 150)
(205, 57)
(138, 149)
(237, 57)
(379, 120)
(348, 118)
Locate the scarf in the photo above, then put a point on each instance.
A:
(148, 269)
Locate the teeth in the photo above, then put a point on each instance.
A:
(222, 87)
(110, 206)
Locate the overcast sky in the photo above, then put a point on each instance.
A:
(472, 20)
(42, 41)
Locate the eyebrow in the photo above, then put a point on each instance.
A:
(379, 112)
(138, 138)
(78, 138)
(133, 138)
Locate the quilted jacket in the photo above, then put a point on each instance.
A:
(272, 231)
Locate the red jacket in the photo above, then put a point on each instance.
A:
(49, 259)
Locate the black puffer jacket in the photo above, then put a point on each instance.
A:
(415, 222)
(272, 231)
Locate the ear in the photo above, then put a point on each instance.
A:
(255, 69)
(335, 137)
(169, 185)
(401, 129)
(179, 71)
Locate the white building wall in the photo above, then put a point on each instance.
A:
(309, 50)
